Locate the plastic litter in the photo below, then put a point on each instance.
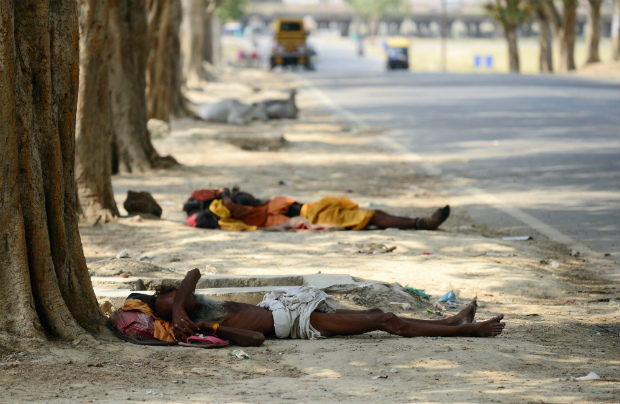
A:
(155, 393)
(378, 377)
(517, 238)
(372, 204)
(322, 389)
(417, 292)
(125, 253)
(554, 264)
(589, 376)
(448, 297)
(404, 306)
(240, 353)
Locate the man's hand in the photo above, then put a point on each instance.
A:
(182, 325)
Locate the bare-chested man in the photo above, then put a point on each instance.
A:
(247, 325)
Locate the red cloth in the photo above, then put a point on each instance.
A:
(134, 324)
(204, 194)
(191, 220)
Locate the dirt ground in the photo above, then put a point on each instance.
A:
(561, 309)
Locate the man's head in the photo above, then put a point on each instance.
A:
(163, 301)
(243, 198)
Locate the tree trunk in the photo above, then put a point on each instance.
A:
(513, 49)
(545, 61)
(163, 71)
(44, 284)
(615, 31)
(178, 103)
(132, 150)
(192, 36)
(594, 31)
(94, 117)
(567, 37)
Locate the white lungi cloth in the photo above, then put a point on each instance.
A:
(291, 308)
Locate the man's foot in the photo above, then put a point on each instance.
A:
(433, 222)
(465, 316)
(489, 328)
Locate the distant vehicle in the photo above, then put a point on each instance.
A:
(397, 51)
(289, 44)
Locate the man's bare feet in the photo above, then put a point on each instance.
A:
(465, 316)
(433, 222)
(489, 328)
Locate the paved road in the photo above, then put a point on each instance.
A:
(544, 151)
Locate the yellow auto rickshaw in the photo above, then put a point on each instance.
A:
(397, 51)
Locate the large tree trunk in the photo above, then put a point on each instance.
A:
(564, 30)
(132, 150)
(192, 36)
(594, 31)
(44, 284)
(94, 117)
(513, 49)
(163, 75)
(567, 37)
(545, 61)
(615, 31)
(178, 103)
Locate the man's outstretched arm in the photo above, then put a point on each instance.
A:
(181, 323)
(236, 335)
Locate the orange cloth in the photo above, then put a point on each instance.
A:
(226, 222)
(271, 213)
(332, 211)
(163, 328)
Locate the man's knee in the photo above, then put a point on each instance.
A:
(388, 317)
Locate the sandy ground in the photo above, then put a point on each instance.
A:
(562, 312)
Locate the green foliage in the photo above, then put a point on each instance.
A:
(374, 10)
(231, 10)
(511, 14)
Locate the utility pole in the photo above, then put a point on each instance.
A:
(444, 34)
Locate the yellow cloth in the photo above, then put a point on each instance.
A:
(226, 222)
(332, 211)
(163, 328)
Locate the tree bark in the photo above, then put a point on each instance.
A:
(513, 49)
(178, 103)
(132, 150)
(615, 31)
(567, 36)
(564, 30)
(192, 36)
(94, 117)
(164, 99)
(594, 31)
(545, 61)
(44, 284)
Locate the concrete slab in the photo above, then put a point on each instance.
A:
(116, 289)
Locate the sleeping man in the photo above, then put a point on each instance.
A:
(302, 312)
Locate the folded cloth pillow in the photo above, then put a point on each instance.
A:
(134, 324)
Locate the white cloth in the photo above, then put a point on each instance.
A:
(291, 308)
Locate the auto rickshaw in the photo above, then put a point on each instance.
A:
(397, 51)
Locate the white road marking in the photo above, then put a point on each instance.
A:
(484, 197)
